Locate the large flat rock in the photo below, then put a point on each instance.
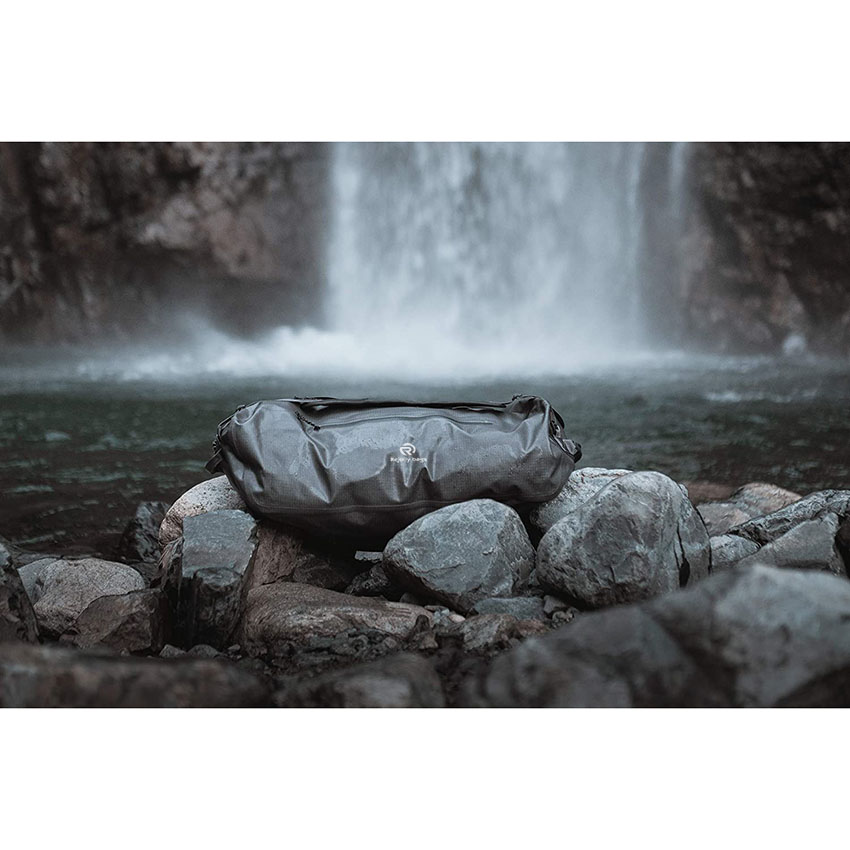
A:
(288, 612)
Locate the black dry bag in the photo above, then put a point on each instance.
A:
(364, 469)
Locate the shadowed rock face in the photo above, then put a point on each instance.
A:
(100, 239)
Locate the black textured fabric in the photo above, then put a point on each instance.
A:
(364, 469)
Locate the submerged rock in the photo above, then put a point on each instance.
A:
(140, 540)
(60, 589)
(217, 494)
(17, 618)
(134, 622)
(638, 537)
(47, 677)
(581, 486)
(462, 554)
(284, 613)
(809, 545)
(752, 636)
(403, 680)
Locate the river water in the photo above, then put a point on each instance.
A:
(79, 448)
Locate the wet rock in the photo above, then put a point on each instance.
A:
(17, 618)
(217, 494)
(809, 545)
(582, 485)
(728, 549)
(765, 529)
(47, 677)
(462, 554)
(134, 622)
(751, 500)
(170, 651)
(520, 607)
(636, 538)
(404, 680)
(140, 540)
(488, 632)
(5, 555)
(278, 614)
(752, 636)
(60, 590)
(215, 572)
(374, 582)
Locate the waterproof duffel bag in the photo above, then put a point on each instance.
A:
(364, 469)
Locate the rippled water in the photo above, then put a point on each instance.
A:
(78, 450)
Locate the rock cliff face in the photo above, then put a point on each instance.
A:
(98, 238)
(766, 253)
(116, 239)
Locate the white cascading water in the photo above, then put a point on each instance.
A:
(479, 259)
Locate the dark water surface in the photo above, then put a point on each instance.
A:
(78, 453)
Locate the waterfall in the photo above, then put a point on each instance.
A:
(477, 257)
(471, 261)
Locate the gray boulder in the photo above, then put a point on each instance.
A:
(134, 622)
(752, 636)
(61, 589)
(809, 546)
(215, 570)
(287, 613)
(140, 540)
(217, 494)
(53, 677)
(638, 537)
(462, 554)
(17, 618)
(404, 680)
(765, 529)
(582, 485)
(752, 500)
(728, 549)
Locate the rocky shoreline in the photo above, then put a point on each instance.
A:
(618, 592)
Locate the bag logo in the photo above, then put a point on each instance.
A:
(408, 454)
